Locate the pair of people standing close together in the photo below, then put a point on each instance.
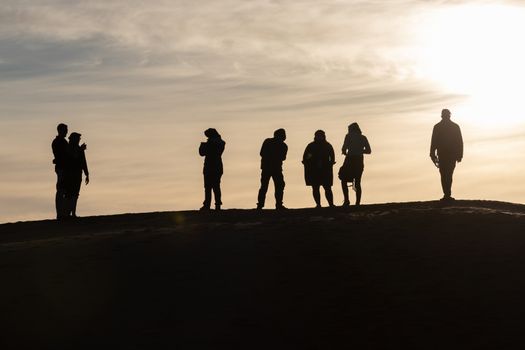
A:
(318, 160)
(70, 162)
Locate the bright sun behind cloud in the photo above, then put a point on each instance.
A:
(478, 50)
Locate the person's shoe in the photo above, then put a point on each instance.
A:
(259, 207)
(345, 205)
(318, 206)
(280, 207)
(217, 207)
(204, 208)
(447, 199)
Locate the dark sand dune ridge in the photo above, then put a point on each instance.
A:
(410, 275)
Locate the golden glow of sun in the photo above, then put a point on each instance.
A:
(478, 50)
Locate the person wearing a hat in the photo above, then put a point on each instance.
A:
(212, 151)
(76, 165)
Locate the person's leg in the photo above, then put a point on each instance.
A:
(317, 195)
(217, 194)
(74, 201)
(207, 197)
(72, 184)
(265, 180)
(358, 191)
(278, 183)
(207, 193)
(60, 200)
(344, 187)
(74, 192)
(446, 170)
(329, 195)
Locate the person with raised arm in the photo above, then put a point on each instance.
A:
(212, 151)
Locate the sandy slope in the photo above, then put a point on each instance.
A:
(417, 275)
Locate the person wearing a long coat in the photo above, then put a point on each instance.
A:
(319, 160)
(212, 151)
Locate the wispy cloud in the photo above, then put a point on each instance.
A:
(143, 78)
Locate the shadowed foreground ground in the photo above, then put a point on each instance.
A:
(412, 275)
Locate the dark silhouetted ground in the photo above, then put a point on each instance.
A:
(410, 275)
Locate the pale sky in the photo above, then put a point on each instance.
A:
(142, 80)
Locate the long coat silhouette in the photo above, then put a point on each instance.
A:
(318, 160)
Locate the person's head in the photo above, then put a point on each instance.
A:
(319, 136)
(445, 114)
(280, 134)
(74, 138)
(62, 130)
(211, 133)
(354, 128)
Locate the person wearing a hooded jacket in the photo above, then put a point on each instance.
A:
(212, 151)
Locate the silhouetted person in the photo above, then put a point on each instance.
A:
(212, 151)
(60, 153)
(75, 166)
(318, 160)
(354, 147)
(446, 149)
(273, 153)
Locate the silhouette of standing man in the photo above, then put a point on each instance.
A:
(60, 152)
(273, 153)
(212, 151)
(446, 149)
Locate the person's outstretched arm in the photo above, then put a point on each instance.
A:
(332, 154)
